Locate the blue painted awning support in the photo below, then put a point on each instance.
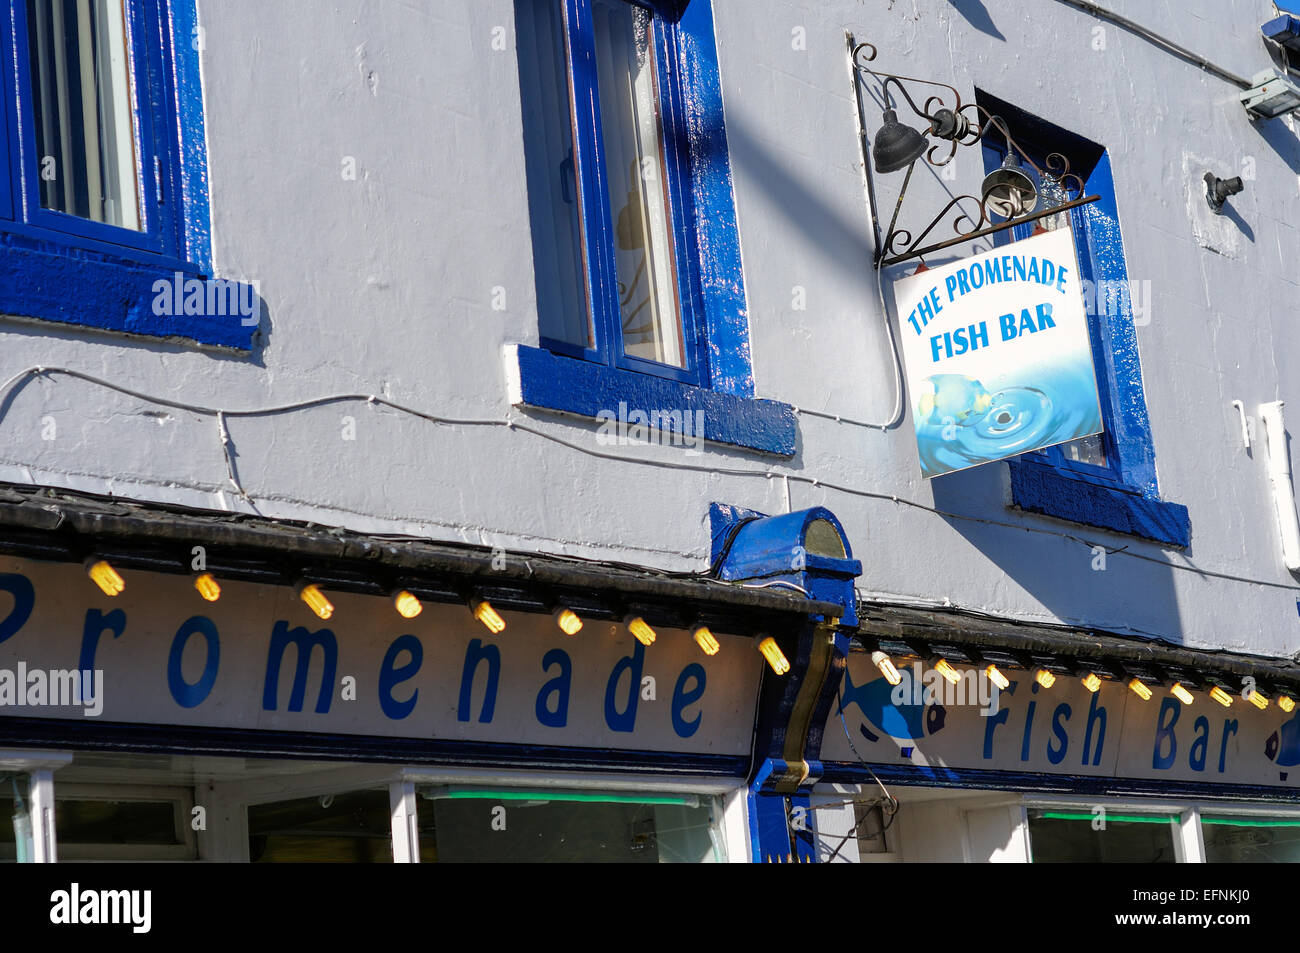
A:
(808, 550)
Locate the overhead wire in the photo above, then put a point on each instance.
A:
(221, 414)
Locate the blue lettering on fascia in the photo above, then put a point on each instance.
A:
(314, 664)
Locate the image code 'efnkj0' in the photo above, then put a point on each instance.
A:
(649, 431)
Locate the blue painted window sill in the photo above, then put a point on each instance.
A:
(1037, 488)
(551, 382)
(101, 291)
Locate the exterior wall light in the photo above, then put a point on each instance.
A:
(1217, 190)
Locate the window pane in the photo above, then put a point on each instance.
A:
(562, 306)
(115, 822)
(629, 105)
(1072, 837)
(459, 826)
(85, 137)
(338, 829)
(1243, 840)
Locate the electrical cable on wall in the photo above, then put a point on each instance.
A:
(7, 389)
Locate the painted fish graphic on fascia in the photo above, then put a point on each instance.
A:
(874, 699)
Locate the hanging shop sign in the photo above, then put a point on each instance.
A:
(997, 352)
(1066, 729)
(260, 659)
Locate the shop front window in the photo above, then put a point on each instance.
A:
(351, 828)
(1243, 839)
(522, 826)
(1101, 836)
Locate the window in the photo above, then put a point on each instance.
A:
(103, 193)
(460, 825)
(1089, 837)
(639, 289)
(1108, 480)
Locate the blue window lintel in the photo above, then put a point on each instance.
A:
(552, 382)
(1041, 488)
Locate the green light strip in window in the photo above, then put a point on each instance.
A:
(594, 797)
(1128, 818)
(1247, 822)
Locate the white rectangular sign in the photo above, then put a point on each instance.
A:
(1065, 729)
(259, 659)
(998, 356)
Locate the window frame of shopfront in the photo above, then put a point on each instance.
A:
(40, 767)
(830, 816)
(224, 837)
(1188, 812)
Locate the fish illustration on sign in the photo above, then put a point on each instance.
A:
(875, 700)
(1283, 745)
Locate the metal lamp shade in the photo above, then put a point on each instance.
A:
(896, 145)
(1008, 191)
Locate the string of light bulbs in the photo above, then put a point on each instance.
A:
(1090, 680)
(313, 595)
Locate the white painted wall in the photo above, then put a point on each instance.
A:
(384, 285)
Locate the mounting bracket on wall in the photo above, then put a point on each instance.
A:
(1007, 192)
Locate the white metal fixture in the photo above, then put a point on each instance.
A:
(1279, 472)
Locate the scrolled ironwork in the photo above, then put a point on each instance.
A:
(954, 124)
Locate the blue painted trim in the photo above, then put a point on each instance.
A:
(181, 739)
(599, 271)
(716, 245)
(772, 549)
(84, 289)
(983, 779)
(192, 158)
(671, 9)
(711, 295)
(571, 386)
(1124, 495)
(57, 267)
(1038, 488)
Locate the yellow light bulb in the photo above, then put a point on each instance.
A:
(208, 586)
(1139, 689)
(775, 657)
(996, 677)
(1220, 696)
(567, 620)
(311, 594)
(490, 618)
(407, 605)
(1181, 693)
(105, 576)
(886, 666)
(1286, 703)
(1258, 699)
(947, 671)
(705, 640)
(1045, 678)
(1091, 681)
(637, 626)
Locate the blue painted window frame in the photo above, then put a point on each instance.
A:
(58, 267)
(1123, 495)
(718, 377)
(593, 199)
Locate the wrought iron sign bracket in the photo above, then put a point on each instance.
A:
(1007, 193)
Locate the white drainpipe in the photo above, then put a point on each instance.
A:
(1279, 472)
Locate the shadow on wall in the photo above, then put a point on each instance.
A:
(1281, 140)
(842, 234)
(1072, 581)
(977, 16)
